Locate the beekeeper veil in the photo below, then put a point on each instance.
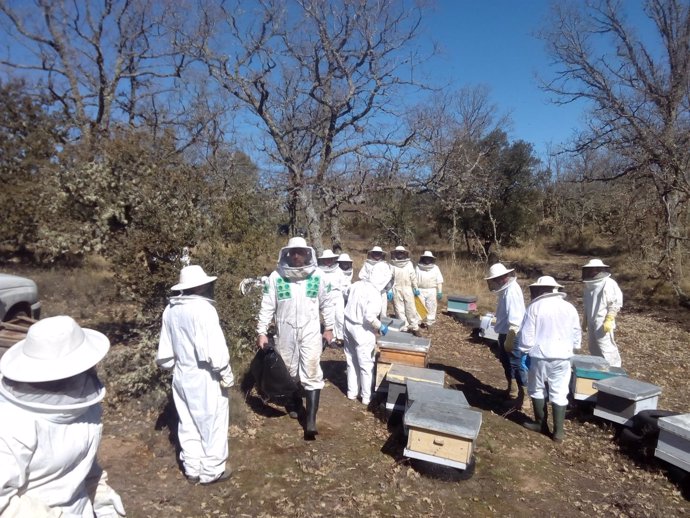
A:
(297, 260)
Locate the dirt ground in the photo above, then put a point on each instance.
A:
(356, 466)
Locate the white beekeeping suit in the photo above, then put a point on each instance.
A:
(50, 430)
(295, 295)
(404, 289)
(361, 325)
(430, 283)
(192, 344)
(602, 299)
(335, 279)
(375, 255)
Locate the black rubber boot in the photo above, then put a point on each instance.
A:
(294, 407)
(558, 419)
(310, 431)
(540, 423)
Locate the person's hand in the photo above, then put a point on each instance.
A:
(106, 502)
(416, 292)
(261, 341)
(328, 335)
(227, 379)
(510, 340)
(383, 329)
(389, 295)
(609, 323)
(439, 295)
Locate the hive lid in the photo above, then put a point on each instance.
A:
(448, 419)
(599, 374)
(422, 391)
(676, 424)
(403, 373)
(462, 298)
(405, 341)
(394, 324)
(627, 388)
(585, 361)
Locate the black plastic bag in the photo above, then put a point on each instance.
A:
(272, 379)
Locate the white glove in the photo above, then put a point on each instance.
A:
(23, 506)
(227, 379)
(106, 502)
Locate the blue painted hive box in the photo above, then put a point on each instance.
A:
(587, 370)
(397, 378)
(462, 303)
(440, 433)
(620, 398)
(673, 445)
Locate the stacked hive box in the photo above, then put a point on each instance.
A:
(462, 307)
(587, 370)
(620, 398)
(673, 445)
(397, 378)
(401, 349)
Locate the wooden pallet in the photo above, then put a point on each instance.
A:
(13, 331)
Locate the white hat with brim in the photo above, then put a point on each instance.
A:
(376, 249)
(497, 270)
(546, 281)
(55, 348)
(328, 254)
(400, 248)
(596, 263)
(428, 253)
(191, 277)
(344, 258)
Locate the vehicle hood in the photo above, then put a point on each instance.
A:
(15, 281)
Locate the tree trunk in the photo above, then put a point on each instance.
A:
(334, 223)
(313, 222)
(453, 235)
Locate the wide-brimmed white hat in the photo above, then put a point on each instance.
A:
(191, 277)
(546, 280)
(376, 249)
(498, 270)
(344, 258)
(55, 348)
(427, 253)
(400, 248)
(328, 254)
(596, 263)
(297, 242)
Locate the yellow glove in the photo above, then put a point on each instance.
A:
(609, 323)
(510, 340)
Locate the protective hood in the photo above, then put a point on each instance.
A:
(601, 277)
(329, 269)
(65, 404)
(505, 286)
(426, 267)
(298, 273)
(185, 299)
(380, 275)
(549, 295)
(400, 263)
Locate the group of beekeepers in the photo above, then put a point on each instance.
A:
(537, 342)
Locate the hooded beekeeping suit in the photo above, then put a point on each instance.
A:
(430, 283)
(404, 289)
(602, 299)
(374, 256)
(50, 429)
(361, 325)
(334, 278)
(345, 265)
(295, 294)
(549, 334)
(192, 344)
(510, 310)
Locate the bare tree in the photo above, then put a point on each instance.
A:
(639, 96)
(324, 81)
(101, 61)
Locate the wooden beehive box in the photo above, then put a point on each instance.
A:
(620, 398)
(13, 331)
(461, 303)
(401, 349)
(424, 391)
(397, 378)
(587, 370)
(440, 433)
(673, 444)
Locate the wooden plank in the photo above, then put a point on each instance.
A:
(411, 358)
(440, 445)
(585, 386)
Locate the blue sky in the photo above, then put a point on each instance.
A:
(492, 42)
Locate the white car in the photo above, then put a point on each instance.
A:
(18, 296)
